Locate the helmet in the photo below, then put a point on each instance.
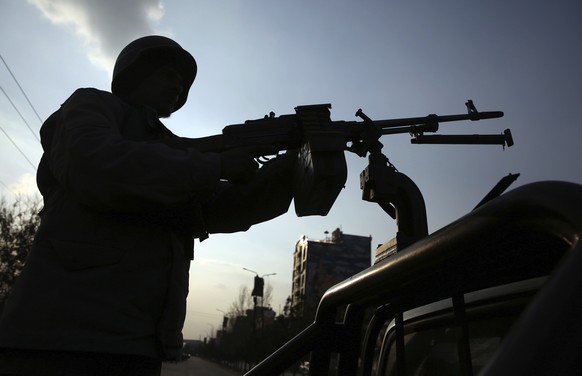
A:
(144, 55)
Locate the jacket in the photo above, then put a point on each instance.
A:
(108, 271)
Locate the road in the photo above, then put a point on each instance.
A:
(196, 367)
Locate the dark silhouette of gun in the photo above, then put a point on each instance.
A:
(321, 171)
(287, 132)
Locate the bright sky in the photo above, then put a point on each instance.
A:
(390, 58)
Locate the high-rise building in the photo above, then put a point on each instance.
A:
(320, 264)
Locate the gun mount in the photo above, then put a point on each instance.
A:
(395, 192)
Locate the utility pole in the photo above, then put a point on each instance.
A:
(258, 292)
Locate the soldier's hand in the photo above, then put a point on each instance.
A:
(239, 165)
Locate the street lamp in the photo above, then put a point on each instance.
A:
(257, 274)
(259, 283)
(258, 292)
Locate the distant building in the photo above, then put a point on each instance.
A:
(320, 264)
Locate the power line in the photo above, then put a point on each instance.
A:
(4, 185)
(21, 89)
(17, 148)
(19, 114)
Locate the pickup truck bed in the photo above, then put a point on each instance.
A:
(506, 278)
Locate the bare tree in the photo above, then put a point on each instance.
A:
(243, 303)
(19, 221)
(267, 294)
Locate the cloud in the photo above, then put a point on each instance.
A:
(24, 186)
(220, 286)
(104, 26)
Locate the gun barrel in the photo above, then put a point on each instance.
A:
(430, 119)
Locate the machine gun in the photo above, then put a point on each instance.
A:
(321, 170)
